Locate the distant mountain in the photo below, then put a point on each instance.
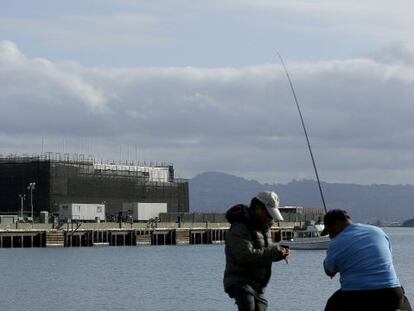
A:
(216, 192)
(408, 223)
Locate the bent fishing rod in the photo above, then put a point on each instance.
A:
(304, 130)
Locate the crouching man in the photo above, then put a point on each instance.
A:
(250, 251)
(362, 256)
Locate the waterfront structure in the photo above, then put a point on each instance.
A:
(84, 234)
(69, 237)
(65, 178)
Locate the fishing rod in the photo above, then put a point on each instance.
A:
(304, 129)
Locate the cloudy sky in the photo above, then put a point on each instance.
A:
(198, 84)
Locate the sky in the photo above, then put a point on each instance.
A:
(199, 84)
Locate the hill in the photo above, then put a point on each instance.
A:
(216, 192)
(408, 223)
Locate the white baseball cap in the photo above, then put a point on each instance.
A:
(271, 201)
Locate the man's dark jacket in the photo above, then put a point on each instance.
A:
(249, 251)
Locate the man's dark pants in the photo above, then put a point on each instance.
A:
(247, 299)
(387, 299)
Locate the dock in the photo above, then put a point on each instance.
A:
(22, 235)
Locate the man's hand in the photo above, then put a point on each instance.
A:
(328, 273)
(285, 252)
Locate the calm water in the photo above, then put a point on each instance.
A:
(164, 278)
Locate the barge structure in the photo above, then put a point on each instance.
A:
(31, 184)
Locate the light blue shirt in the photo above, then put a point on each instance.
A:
(362, 256)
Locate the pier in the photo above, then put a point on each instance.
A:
(120, 234)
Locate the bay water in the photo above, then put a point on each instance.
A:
(165, 278)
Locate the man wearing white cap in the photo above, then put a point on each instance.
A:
(250, 251)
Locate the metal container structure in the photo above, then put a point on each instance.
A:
(8, 219)
(144, 211)
(79, 211)
(63, 178)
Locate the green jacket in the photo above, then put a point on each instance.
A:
(249, 251)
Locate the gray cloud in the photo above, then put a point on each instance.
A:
(237, 120)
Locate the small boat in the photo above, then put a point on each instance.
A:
(309, 238)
